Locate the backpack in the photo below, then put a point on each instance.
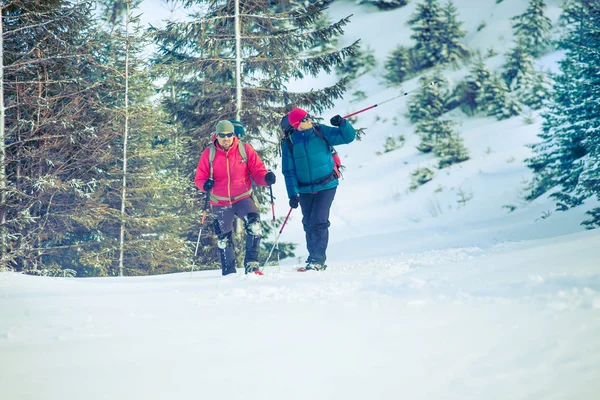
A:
(287, 133)
(239, 132)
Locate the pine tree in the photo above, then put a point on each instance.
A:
(427, 25)
(470, 94)
(451, 150)
(64, 160)
(567, 156)
(536, 91)
(386, 4)
(518, 69)
(437, 33)
(362, 62)
(430, 101)
(452, 49)
(499, 102)
(533, 27)
(52, 141)
(277, 44)
(397, 65)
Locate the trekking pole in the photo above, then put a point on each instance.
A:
(277, 237)
(390, 99)
(272, 202)
(206, 203)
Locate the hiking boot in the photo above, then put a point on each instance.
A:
(314, 266)
(253, 267)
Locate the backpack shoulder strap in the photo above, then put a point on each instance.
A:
(242, 149)
(318, 132)
(211, 157)
(288, 140)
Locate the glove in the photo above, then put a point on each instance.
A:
(337, 120)
(294, 202)
(208, 185)
(270, 178)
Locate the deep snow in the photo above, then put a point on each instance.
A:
(425, 297)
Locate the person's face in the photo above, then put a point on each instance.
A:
(305, 124)
(225, 139)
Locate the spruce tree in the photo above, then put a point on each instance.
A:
(452, 49)
(518, 69)
(535, 92)
(362, 62)
(470, 93)
(499, 102)
(397, 66)
(64, 135)
(277, 44)
(566, 159)
(437, 33)
(52, 142)
(451, 150)
(427, 25)
(386, 4)
(430, 101)
(533, 27)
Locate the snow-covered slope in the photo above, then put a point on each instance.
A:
(374, 200)
(517, 321)
(424, 297)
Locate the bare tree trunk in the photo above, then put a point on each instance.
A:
(238, 102)
(3, 178)
(238, 62)
(125, 136)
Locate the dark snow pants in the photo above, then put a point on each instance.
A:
(223, 224)
(315, 219)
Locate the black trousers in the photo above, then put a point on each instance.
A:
(223, 224)
(315, 219)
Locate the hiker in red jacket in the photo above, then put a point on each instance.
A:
(225, 170)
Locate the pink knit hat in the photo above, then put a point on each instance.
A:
(295, 116)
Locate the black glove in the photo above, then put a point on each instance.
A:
(208, 185)
(294, 202)
(270, 178)
(337, 120)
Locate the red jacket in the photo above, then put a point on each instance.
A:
(230, 173)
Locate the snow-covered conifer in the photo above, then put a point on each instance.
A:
(451, 150)
(362, 62)
(452, 50)
(427, 25)
(533, 27)
(430, 101)
(386, 4)
(518, 68)
(535, 92)
(499, 102)
(567, 158)
(397, 65)
(469, 94)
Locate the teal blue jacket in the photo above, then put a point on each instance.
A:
(311, 161)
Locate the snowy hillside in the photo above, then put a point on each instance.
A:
(373, 198)
(457, 290)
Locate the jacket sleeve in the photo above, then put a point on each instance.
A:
(335, 136)
(203, 170)
(288, 167)
(256, 167)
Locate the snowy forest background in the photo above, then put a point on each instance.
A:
(100, 136)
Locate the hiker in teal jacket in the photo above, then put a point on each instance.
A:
(310, 177)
